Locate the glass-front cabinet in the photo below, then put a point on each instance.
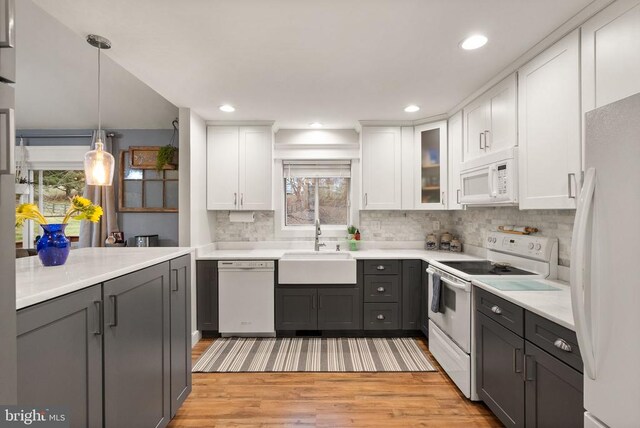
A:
(431, 180)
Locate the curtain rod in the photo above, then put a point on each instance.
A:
(109, 134)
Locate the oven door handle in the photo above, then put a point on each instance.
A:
(464, 286)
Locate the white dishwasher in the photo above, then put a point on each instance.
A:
(246, 298)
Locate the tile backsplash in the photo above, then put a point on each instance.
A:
(471, 225)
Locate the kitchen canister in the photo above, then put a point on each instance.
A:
(455, 246)
(445, 241)
(431, 242)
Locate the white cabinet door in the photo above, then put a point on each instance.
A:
(490, 122)
(381, 168)
(222, 168)
(502, 116)
(611, 55)
(431, 166)
(476, 123)
(549, 120)
(408, 162)
(255, 165)
(454, 130)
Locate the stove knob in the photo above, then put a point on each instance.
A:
(538, 247)
(489, 239)
(494, 240)
(531, 245)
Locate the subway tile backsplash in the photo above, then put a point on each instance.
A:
(470, 225)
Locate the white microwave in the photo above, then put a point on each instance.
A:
(493, 183)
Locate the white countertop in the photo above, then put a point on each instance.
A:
(552, 305)
(276, 254)
(84, 267)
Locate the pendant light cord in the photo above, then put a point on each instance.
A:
(99, 117)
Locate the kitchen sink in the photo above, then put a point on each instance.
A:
(316, 267)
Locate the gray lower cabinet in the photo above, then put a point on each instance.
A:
(411, 290)
(137, 349)
(296, 308)
(339, 308)
(554, 393)
(60, 355)
(207, 294)
(180, 301)
(424, 300)
(499, 377)
(318, 308)
(530, 381)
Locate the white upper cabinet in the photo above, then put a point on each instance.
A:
(431, 166)
(549, 127)
(381, 168)
(454, 130)
(239, 165)
(611, 55)
(490, 122)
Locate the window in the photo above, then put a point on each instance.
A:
(51, 191)
(317, 190)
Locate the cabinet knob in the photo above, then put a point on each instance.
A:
(380, 267)
(380, 289)
(562, 345)
(496, 310)
(380, 317)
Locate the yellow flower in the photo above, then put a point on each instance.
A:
(29, 212)
(78, 202)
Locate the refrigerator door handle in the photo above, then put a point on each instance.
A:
(580, 284)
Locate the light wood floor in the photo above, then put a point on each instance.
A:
(328, 400)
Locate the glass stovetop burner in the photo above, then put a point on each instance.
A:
(485, 267)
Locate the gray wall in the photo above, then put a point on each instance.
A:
(163, 224)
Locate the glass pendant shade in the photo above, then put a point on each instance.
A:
(98, 166)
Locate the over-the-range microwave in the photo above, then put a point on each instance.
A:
(490, 180)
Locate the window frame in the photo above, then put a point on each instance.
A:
(47, 158)
(283, 231)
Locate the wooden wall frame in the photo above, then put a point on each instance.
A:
(121, 187)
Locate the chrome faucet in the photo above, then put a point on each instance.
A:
(317, 244)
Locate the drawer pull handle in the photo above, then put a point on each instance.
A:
(380, 289)
(380, 267)
(496, 310)
(380, 317)
(562, 345)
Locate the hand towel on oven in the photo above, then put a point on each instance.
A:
(436, 293)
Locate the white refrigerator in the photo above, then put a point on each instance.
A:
(605, 266)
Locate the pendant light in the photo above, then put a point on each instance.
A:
(98, 164)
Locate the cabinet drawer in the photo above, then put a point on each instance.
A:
(381, 288)
(381, 316)
(381, 267)
(506, 313)
(553, 338)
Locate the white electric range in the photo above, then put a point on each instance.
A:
(451, 338)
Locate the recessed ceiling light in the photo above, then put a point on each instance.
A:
(227, 108)
(474, 42)
(315, 125)
(411, 108)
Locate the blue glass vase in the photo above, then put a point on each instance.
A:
(53, 247)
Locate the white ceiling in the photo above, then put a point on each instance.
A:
(300, 61)
(57, 81)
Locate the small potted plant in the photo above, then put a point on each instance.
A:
(166, 156)
(351, 232)
(23, 185)
(53, 247)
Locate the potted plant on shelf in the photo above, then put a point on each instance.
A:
(166, 156)
(351, 232)
(353, 237)
(53, 247)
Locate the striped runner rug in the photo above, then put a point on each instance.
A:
(313, 355)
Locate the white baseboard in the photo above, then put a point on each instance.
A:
(195, 337)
